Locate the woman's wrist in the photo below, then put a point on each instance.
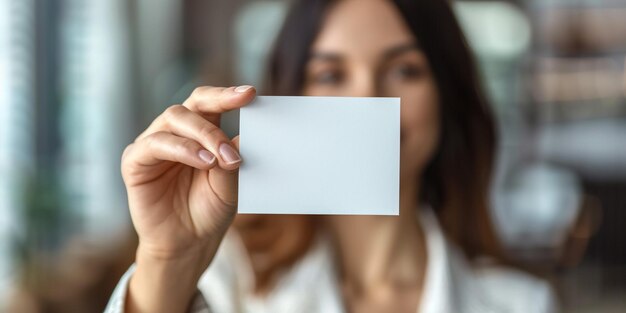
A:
(166, 283)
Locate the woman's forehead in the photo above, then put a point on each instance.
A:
(362, 28)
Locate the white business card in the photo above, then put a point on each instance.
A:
(320, 155)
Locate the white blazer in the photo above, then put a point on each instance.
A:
(451, 284)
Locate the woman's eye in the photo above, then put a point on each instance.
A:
(406, 72)
(328, 77)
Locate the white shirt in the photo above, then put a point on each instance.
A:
(451, 285)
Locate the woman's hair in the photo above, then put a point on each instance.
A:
(456, 181)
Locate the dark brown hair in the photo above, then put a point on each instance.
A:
(456, 182)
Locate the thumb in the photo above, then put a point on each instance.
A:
(235, 142)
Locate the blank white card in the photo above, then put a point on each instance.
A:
(320, 155)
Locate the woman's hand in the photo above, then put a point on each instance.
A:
(181, 179)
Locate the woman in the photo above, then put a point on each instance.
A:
(180, 176)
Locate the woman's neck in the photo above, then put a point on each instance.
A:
(380, 255)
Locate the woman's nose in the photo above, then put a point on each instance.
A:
(364, 85)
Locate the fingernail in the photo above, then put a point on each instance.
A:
(242, 88)
(206, 156)
(229, 154)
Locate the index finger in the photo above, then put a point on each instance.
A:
(208, 100)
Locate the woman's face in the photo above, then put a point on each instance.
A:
(364, 49)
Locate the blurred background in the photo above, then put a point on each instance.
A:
(79, 79)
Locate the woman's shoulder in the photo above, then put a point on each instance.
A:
(509, 289)
(514, 280)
